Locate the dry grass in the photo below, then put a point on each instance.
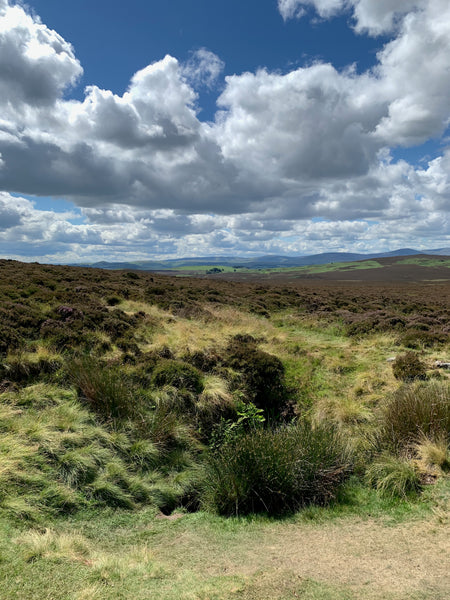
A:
(433, 456)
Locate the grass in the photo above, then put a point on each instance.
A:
(417, 410)
(444, 261)
(392, 476)
(346, 551)
(54, 458)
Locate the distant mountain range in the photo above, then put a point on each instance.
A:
(260, 262)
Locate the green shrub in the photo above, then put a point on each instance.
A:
(249, 418)
(393, 477)
(408, 367)
(179, 375)
(275, 471)
(417, 410)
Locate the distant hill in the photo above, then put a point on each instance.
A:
(260, 262)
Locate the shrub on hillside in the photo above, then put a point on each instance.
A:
(417, 410)
(408, 367)
(179, 375)
(275, 471)
(9, 339)
(263, 374)
(61, 335)
(416, 339)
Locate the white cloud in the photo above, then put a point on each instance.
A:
(36, 64)
(203, 68)
(374, 16)
(284, 148)
(295, 9)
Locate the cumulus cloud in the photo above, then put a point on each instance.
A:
(203, 68)
(297, 155)
(374, 16)
(36, 64)
(294, 9)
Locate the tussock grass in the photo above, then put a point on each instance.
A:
(433, 456)
(55, 459)
(417, 410)
(341, 411)
(275, 471)
(103, 568)
(104, 388)
(393, 476)
(215, 395)
(50, 544)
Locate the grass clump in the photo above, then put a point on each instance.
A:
(55, 459)
(433, 456)
(104, 388)
(417, 410)
(393, 477)
(275, 471)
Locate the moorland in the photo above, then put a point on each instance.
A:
(231, 435)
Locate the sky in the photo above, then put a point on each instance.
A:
(142, 130)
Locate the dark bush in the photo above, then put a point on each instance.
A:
(116, 327)
(263, 375)
(61, 335)
(275, 471)
(408, 367)
(69, 313)
(204, 361)
(417, 339)
(113, 301)
(178, 374)
(9, 339)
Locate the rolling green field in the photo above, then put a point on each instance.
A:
(335, 267)
(344, 266)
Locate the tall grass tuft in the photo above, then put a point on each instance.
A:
(417, 410)
(104, 389)
(275, 471)
(54, 458)
(393, 477)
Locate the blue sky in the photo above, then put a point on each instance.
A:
(145, 129)
(114, 39)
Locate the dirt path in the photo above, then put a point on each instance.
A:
(366, 559)
(369, 558)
